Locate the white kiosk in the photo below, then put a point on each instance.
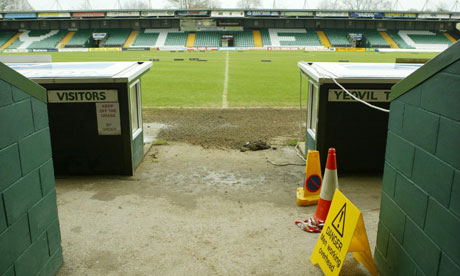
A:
(95, 114)
(334, 119)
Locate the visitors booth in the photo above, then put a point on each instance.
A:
(95, 114)
(334, 119)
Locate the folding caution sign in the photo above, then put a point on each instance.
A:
(343, 232)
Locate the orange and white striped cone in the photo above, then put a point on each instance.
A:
(330, 183)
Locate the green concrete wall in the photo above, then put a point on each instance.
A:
(138, 149)
(30, 242)
(419, 228)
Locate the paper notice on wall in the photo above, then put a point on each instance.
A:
(108, 118)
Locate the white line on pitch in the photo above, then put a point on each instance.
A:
(224, 94)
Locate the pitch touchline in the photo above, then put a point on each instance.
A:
(224, 94)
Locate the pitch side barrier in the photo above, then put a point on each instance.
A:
(428, 50)
(307, 49)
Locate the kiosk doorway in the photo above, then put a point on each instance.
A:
(227, 40)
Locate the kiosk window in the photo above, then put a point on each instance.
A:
(136, 108)
(312, 108)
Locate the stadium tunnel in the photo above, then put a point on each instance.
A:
(335, 119)
(95, 114)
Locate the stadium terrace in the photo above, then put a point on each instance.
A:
(227, 30)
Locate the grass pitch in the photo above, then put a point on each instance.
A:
(251, 83)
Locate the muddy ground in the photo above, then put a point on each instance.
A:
(228, 128)
(199, 206)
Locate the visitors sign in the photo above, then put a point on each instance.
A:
(343, 232)
(82, 96)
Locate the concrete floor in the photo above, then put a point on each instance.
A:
(195, 211)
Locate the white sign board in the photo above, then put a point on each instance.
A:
(108, 118)
(368, 95)
(122, 13)
(82, 96)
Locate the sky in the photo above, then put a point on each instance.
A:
(281, 4)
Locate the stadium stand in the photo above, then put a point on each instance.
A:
(455, 34)
(449, 37)
(80, 39)
(312, 38)
(257, 38)
(38, 39)
(398, 40)
(338, 37)
(425, 39)
(389, 40)
(293, 37)
(146, 38)
(64, 40)
(405, 39)
(175, 29)
(190, 40)
(175, 39)
(208, 39)
(49, 42)
(265, 37)
(115, 37)
(5, 36)
(323, 38)
(309, 38)
(244, 39)
(131, 37)
(15, 44)
(373, 39)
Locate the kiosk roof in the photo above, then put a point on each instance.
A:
(64, 72)
(325, 72)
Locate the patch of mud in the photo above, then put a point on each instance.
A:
(226, 128)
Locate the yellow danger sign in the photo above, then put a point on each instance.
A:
(343, 232)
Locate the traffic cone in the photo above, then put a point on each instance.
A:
(330, 183)
(309, 193)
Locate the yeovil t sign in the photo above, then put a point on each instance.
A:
(82, 96)
(368, 95)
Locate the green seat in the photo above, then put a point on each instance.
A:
(265, 35)
(49, 42)
(145, 39)
(373, 39)
(338, 37)
(301, 39)
(208, 39)
(80, 39)
(176, 39)
(398, 40)
(115, 37)
(5, 36)
(244, 39)
(438, 38)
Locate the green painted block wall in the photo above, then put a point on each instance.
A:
(30, 240)
(419, 225)
(138, 149)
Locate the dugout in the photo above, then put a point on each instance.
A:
(95, 114)
(334, 119)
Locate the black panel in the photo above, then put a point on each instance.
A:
(356, 131)
(77, 147)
